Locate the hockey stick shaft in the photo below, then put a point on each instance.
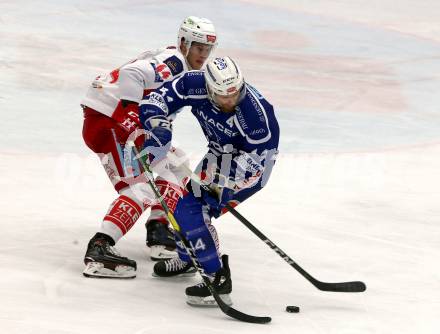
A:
(354, 286)
(228, 310)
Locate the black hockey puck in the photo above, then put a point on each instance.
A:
(292, 309)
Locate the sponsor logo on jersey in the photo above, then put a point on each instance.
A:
(258, 132)
(174, 64)
(257, 127)
(157, 100)
(241, 120)
(194, 73)
(211, 123)
(197, 91)
(257, 108)
(249, 162)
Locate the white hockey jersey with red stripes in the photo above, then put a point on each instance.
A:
(134, 79)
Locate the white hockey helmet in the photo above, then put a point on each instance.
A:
(196, 29)
(223, 77)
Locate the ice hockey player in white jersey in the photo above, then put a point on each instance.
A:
(110, 116)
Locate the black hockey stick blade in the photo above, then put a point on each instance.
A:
(226, 309)
(355, 286)
(233, 313)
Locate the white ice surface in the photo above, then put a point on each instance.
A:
(355, 193)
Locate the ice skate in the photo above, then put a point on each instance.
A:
(199, 295)
(160, 239)
(174, 267)
(103, 261)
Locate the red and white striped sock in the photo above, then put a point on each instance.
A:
(120, 218)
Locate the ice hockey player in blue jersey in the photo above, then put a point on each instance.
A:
(242, 133)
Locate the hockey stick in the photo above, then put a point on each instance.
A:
(228, 310)
(355, 286)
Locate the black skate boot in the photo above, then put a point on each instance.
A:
(174, 267)
(199, 295)
(160, 239)
(103, 261)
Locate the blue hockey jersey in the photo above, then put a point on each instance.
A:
(250, 133)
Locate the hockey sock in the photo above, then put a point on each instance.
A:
(120, 218)
(171, 194)
(201, 235)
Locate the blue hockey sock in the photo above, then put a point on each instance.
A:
(203, 238)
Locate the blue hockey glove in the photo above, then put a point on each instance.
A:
(217, 199)
(157, 145)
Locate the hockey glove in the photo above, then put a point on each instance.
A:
(159, 141)
(217, 199)
(127, 115)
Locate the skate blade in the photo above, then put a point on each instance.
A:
(97, 269)
(207, 301)
(158, 253)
